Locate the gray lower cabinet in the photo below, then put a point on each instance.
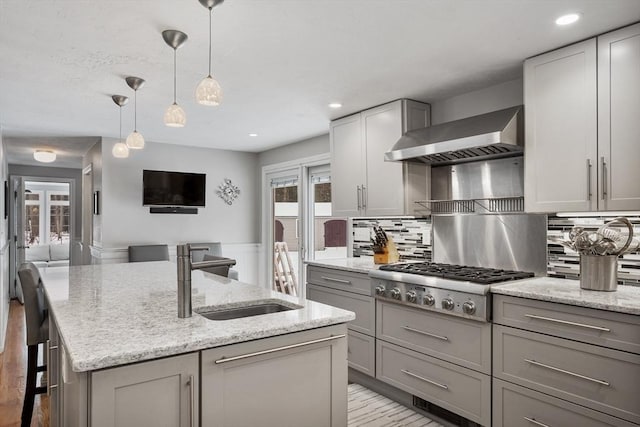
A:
(516, 406)
(161, 392)
(350, 291)
(289, 380)
(53, 375)
(559, 360)
(460, 390)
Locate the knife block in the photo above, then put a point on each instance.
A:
(390, 254)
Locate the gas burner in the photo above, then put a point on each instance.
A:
(479, 275)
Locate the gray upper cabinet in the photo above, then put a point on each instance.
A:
(618, 119)
(581, 125)
(363, 183)
(561, 130)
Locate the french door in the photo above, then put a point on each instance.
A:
(299, 224)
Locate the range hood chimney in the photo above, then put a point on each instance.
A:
(487, 136)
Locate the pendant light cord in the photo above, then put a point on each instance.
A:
(120, 124)
(210, 13)
(174, 75)
(135, 110)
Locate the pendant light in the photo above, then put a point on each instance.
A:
(209, 91)
(174, 116)
(135, 140)
(120, 150)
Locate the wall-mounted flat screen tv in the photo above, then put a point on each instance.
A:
(162, 188)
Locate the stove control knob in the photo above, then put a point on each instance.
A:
(448, 304)
(412, 296)
(428, 299)
(396, 293)
(380, 290)
(469, 307)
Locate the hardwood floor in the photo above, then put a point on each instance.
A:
(13, 372)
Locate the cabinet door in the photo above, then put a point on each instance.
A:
(561, 130)
(286, 381)
(347, 166)
(384, 192)
(53, 374)
(161, 392)
(618, 119)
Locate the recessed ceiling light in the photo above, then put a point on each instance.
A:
(567, 19)
(44, 156)
(253, 134)
(335, 105)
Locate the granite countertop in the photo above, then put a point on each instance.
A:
(114, 314)
(625, 300)
(356, 265)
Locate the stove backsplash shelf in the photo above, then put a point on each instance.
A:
(495, 205)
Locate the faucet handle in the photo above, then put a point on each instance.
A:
(198, 248)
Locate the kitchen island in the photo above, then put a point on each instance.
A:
(121, 356)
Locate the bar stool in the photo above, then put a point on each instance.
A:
(37, 321)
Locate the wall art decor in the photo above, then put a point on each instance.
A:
(228, 192)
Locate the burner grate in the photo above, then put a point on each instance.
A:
(480, 275)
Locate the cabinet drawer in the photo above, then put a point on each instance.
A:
(461, 341)
(338, 279)
(599, 378)
(363, 306)
(608, 329)
(361, 352)
(460, 390)
(515, 406)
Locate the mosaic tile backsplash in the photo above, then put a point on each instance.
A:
(565, 263)
(412, 236)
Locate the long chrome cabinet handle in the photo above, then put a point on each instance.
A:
(429, 334)
(566, 322)
(533, 421)
(604, 178)
(411, 374)
(273, 350)
(47, 351)
(364, 197)
(359, 192)
(331, 279)
(192, 401)
(589, 193)
(553, 368)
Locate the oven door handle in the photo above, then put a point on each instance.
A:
(429, 334)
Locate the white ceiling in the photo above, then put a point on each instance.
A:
(280, 62)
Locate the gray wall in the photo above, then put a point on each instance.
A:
(297, 150)
(125, 221)
(481, 101)
(48, 172)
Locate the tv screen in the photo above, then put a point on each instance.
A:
(161, 188)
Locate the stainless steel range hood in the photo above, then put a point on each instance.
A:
(487, 136)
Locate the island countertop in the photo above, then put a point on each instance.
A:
(355, 265)
(114, 314)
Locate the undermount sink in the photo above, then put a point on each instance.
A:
(246, 311)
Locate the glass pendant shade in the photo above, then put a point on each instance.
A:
(120, 150)
(175, 116)
(209, 92)
(135, 140)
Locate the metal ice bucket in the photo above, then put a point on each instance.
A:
(599, 272)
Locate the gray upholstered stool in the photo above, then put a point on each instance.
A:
(143, 253)
(37, 321)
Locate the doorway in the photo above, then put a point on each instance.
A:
(42, 224)
(299, 225)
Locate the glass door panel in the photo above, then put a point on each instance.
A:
(328, 234)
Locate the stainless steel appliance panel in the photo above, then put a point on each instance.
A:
(511, 242)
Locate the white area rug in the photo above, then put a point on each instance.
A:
(369, 409)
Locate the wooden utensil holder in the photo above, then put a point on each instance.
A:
(390, 254)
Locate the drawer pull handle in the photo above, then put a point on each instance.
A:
(273, 350)
(331, 279)
(533, 421)
(418, 331)
(553, 368)
(411, 374)
(566, 322)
